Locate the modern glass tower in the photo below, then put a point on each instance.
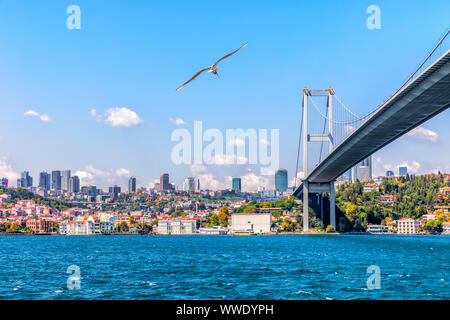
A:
(74, 184)
(132, 185)
(65, 180)
(402, 171)
(236, 184)
(44, 180)
(56, 180)
(281, 180)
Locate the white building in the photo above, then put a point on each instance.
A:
(76, 227)
(407, 226)
(177, 226)
(257, 223)
(446, 227)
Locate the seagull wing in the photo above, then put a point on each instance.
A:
(195, 76)
(230, 54)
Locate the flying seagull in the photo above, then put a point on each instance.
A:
(212, 69)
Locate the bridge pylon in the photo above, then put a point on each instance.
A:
(309, 187)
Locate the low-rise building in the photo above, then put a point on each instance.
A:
(40, 225)
(257, 223)
(377, 228)
(446, 227)
(407, 226)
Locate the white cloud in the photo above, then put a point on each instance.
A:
(124, 173)
(42, 117)
(251, 182)
(225, 159)
(178, 121)
(236, 142)
(93, 176)
(118, 117)
(300, 176)
(413, 167)
(197, 169)
(6, 171)
(423, 134)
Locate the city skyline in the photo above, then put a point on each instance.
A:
(108, 125)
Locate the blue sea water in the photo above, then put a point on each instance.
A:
(225, 267)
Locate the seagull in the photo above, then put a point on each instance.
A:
(212, 69)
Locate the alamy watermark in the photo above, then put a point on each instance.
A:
(374, 20)
(374, 280)
(74, 20)
(238, 147)
(74, 280)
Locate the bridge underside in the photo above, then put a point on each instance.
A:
(423, 98)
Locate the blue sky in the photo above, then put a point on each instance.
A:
(134, 55)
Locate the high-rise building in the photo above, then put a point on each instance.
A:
(4, 182)
(236, 184)
(347, 176)
(44, 180)
(65, 180)
(198, 185)
(25, 180)
(114, 191)
(189, 184)
(74, 185)
(132, 185)
(402, 171)
(56, 180)
(389, 173)
(363, 170)
(281, 180)
(164, 182)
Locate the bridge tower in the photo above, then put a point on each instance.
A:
(309, 187)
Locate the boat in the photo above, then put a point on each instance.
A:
(244, 233)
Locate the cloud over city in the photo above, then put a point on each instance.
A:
(118, 117)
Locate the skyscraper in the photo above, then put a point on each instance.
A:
(363, 170)
(56, 180)
(389, 173)
(65, 180)
(281, 180)
(44, 180)
(4, 182)
(198, 184)
(25, 180)
(132, 185)
(402, 171)
(114, 191)
(74, 185)
(236, 184)
(164, 182)
(189, 184)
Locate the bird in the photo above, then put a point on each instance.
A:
(212, 69)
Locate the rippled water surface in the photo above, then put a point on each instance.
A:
(225, 267)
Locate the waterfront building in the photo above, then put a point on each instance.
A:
(281, 180)
(407, 226)
(402, 171)
(236, 184)
(189, 184)
(377, 228)
(56, 180)
(446, 227)
(213, 230)
(74, 184)
(177, 226)
(44, 180)
(257, 223)
(132, 185)
(78, 227)
(40, 225)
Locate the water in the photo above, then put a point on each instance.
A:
(225, 267)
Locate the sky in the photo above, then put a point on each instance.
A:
(101, 100)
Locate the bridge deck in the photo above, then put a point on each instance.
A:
(421, 99)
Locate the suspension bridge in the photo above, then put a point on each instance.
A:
(352, 138)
